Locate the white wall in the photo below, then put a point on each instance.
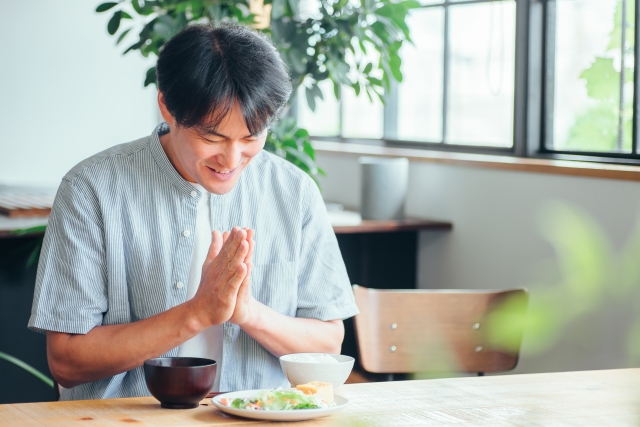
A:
(66, 92)
(496, 243)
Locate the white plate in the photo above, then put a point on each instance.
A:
(291, 415)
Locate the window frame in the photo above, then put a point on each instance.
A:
(533, 94)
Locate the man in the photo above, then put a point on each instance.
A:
(150, 246)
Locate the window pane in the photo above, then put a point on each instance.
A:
(481, 78)
(360, 117)
(420, 93)
(325, 120)
(587, 90)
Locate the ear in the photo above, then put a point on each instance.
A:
(166, 115)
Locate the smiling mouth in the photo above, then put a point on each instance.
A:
(223, 174)
(222, 171)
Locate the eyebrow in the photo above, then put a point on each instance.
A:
(214, 133)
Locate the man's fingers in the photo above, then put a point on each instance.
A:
(233, 284)
(229, 266)
(245, 287)
(215, 247)
(225, 236)
(250, 233)
(237, 237)
(230, 246)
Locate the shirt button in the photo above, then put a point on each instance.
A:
(179, 285)
(186, 233)
(194, 193)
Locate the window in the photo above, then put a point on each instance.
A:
(590, 88)
(475, 43)
(546, 78)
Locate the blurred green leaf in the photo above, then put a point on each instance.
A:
(134, 46)
(602, 79)
(311, 100)
(31, 230)
(150, 77)
(279, 9)
(294, 5)
(505, 324)
(312, 93)
(592, 275)
(114, 23)
(106, 6)
(297, 60)
(394, 64)
(136, 6)
(123, 35)
(163, 30)
(628, 265)
(290, 142)
(302, 134)
(35, 254)
(304, 158)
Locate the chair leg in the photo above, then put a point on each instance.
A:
(56, 389)
(481, 374)
(389, 377)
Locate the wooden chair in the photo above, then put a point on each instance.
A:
(432, 331)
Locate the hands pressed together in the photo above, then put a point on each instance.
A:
(225, 286)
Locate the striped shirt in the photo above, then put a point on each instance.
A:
(120, 239)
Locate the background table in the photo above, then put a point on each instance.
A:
(380, 255)
(590, 398)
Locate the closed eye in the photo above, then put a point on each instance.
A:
(212, 141)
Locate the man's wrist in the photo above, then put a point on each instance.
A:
(193, 322)
(253, 320)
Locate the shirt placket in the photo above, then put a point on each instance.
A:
(182, 262)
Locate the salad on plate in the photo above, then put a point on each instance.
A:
(308, 396)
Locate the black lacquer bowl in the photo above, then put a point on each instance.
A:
(179, 382)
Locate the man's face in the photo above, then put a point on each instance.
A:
(214, 160)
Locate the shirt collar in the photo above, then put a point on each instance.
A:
(163, 161)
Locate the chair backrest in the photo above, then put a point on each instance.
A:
(410, 331)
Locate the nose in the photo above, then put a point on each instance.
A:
(230, 156)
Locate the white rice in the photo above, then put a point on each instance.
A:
(312, 358)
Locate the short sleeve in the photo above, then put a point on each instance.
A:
(324, 289)
(70, 294)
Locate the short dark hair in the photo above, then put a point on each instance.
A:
(204, 69)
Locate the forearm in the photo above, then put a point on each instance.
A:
(282, 334)
(109, 350)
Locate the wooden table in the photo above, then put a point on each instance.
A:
(588, 398)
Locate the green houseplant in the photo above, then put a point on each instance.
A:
(318, 39)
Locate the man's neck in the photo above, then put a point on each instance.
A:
(167, 146)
